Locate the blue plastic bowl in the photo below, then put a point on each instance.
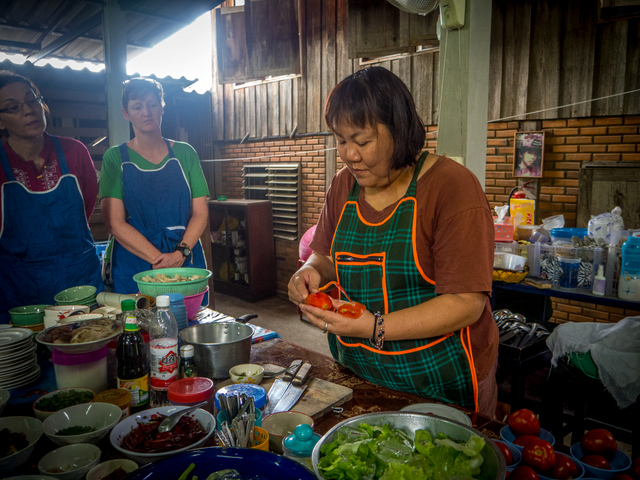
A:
(508, 436)
(249, 462)
(619, 463)
(517, 454)
(578, 464)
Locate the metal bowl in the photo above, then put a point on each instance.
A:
(494, 465)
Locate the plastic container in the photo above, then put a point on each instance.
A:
(223, 416)
(87, 370)
(566, 233)
(190, 287)
(116, 396)
(258, 393)
(584, 362)
(570, 267)
(299, 445)
(179, 309)
(629, 283)
(193, 303)
(189, 391)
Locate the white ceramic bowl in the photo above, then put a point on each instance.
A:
(32, 429)
(71, 462)
(81, 318)
(4, 399)
(57, 312)
(41, 414)
(46, 337)
(246, 373)
(31, 477)
(105, 468)
(207, 421)
(282, 424)
(100, 416)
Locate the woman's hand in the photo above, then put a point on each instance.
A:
(168, 260)
(361, 327)
(302, 283)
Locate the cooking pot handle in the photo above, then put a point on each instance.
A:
(246, 318)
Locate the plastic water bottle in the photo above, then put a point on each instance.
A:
(629, 283)
(163, 340)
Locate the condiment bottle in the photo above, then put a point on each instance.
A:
(599, 281)
(299, 445)
(188, 367)
(133, 370)
(163, 336)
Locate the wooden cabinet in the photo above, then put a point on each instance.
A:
(242, 248)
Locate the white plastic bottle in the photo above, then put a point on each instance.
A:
(163, 340)
(599, 281)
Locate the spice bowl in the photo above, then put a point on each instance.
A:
(107, 468)
(246, 373)
(99, 417)
(31, 428)
(71, 462)
(282, 424)
(51, 402)
(129, 424)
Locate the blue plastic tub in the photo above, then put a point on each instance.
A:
(567, 233)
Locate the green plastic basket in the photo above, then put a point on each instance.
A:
(584, 362)
(192, 287)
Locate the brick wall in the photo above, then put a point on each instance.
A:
(568, 143)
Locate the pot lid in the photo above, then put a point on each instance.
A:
(258, 393)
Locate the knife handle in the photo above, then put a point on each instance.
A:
(292, 370)
(302, 374)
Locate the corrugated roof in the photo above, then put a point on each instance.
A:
(72, 29)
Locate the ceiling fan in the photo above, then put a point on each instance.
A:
(451, 11)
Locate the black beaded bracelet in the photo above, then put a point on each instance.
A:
(377, 339)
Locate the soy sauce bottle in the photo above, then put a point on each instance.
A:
(133, 367)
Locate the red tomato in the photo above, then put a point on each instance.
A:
(622, 476)
(523, 473)
(351, 310)
(319, 300)
(564, 468)
(524, 422)
(597, 461)
(539, 454)
(599, 442)
(522, 440)
(635, 468)
(506, 453)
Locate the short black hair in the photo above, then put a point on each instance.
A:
(375, 95)
(138, 87)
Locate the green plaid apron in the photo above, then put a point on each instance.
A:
(377, 266)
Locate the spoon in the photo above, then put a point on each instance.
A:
(170, 422)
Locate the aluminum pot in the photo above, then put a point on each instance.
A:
(218, 346)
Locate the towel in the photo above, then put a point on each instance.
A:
(615, 349)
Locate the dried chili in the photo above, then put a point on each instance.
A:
(146, 439)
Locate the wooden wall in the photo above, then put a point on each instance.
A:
(543, 54)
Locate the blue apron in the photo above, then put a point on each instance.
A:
(45, 242)
(158, 203)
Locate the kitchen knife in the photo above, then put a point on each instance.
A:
(279, 387)
(295, 391)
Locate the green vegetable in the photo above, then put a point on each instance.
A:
(186, 472)
(372, 452)
(64, 399)
(75, 430)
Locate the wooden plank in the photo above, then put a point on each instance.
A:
(631, 102)
(421, 85)
(272, 38)
(544, 59)
(330, 161)
(229, 112)
(78, 110)
(436, 89)
(578, 46)
(273, 109)
(314, 63)
(231, 45)
(517, 37)
(77, 132)
(239, 127)
(300, 83)
(217, 91)
(377, 28)
(402, 68)
(261, 111)
(250, 111)
(344, 66)
(609, 67)
(328, 64)
(285, 105)
(423, 29)
(496, 57)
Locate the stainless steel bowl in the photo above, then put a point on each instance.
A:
(493, 465)
(218, 346)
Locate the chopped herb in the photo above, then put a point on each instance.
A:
(75, 430)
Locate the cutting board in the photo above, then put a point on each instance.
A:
(319, 397)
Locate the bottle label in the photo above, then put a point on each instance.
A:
(138, 388)
(130, 323)
(164, 363)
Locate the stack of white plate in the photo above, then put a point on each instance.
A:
(18, 359)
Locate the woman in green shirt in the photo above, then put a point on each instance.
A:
(153, 195)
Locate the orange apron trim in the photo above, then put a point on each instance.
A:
(401, 352)
(472, 367)
(414, 245)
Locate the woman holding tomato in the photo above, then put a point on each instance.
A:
(410, 236)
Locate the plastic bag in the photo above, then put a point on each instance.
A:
(501, 212)
(607, 226)
(557, 221)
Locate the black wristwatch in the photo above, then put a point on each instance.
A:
(184, 249)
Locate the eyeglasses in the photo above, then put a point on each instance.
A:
(33, 103)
